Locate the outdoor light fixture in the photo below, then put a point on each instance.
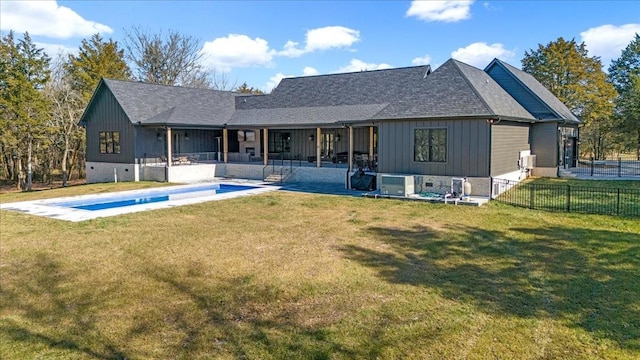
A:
(186, 136)
(337, 137)
(312, 137)
(158, 136)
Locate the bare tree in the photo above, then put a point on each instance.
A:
(67, 107)
(171, 59)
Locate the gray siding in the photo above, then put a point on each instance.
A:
(507, 140)
(519, 92)
(105, 114)
(467, 148)
(544, 144)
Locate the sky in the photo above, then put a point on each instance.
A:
(261, 42)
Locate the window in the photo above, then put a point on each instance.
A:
(109, 142)
(430, 145)
(279, 142)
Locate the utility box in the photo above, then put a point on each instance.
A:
(397, 185)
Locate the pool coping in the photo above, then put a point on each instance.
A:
(48, 208)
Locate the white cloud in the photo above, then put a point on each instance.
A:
(309, 71)
(53, 50)
(425, 60)
(236, 51)
(291, 50)
(274, 81)
(447, 11)
(607, 41)
(359, 65)
(480, 54)
(46, 18)
(331, 37)
(325, 38)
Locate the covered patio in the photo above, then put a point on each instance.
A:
(197, 153)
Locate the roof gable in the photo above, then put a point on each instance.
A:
(455, 90)
(172, 105)
(529, 92)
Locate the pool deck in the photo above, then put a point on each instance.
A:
(50, 208)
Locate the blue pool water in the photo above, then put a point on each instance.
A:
(152, 196)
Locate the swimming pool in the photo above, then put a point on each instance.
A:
(152, 197)
(85, 207)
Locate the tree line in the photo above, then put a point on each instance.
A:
(42, 99)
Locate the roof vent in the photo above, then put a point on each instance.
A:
(427, 72)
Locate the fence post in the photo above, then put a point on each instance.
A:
(618, 203)
(619, 166)
(569, 198)
(592, 166)
(531, 196)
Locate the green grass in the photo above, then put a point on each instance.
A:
(300, 276)
(610, 197)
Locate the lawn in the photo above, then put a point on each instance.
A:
(608, 197)
(300, 276)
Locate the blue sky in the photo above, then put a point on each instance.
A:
(262, 41)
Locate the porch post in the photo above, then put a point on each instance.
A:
(225, 144)
(169, 148)
(265, 146)
(350, 147)
(370, 142)
(318, 147)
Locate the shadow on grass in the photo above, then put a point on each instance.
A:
(585, 278)
(240, 317)
(53, 312)
(61, 315)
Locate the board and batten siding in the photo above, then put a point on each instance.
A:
(507, 140)
(520, 93)
(105, 114)
(544, 144)
(467, 148)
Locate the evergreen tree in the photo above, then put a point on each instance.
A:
(565, 68)
(624, 74)
(96, 59)
(245, 89)
(25, 71)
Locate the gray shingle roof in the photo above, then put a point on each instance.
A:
(307, 115)
(455, 90)
(356, 88)
(536, 89)
(152, 104)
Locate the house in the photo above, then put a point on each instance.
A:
(455, 121)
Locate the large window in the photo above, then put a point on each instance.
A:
(279, 142)
(109, 142)
(430, 145)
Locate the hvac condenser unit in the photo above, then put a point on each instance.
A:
(528, 162)
(397, 185)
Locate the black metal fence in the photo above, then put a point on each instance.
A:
(568, 198)
(616, 167)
